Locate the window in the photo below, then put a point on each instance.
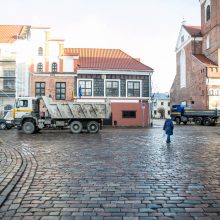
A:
(40, 51)
(161, 103)
(9, 73)
(112, 88)
(168, 103)
(208, 13)
(39, 88)
(208, 42)
(9, 84)
(182, 69)
(211, 92)
(60, 91)
(133, 89)
(155, 112)
(128, 114)
(86, 86)
(22, 103)
(54, 67)
(182, 39)
(39, 67)
(168, 112)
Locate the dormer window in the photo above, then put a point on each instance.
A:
(40, 51)
(39, 67)
(54, 67)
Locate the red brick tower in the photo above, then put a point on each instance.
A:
(210, 26)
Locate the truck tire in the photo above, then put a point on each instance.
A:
(28, 127)
(198, 121)
(207, 121)
(93, 127)
(178, 121)
(76, 127)
(3, 126)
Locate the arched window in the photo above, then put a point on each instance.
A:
(182, 69)
(40, 51)
(54, 67)
(211, 92)
(208, 13)
(39, 67)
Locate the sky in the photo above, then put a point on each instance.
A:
(145, 29)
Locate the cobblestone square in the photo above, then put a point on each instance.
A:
(118, 174)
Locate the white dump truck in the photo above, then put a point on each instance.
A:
(31, 114)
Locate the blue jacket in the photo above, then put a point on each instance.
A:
(168, 126)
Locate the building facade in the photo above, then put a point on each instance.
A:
(112, 74)
(51, 71)
(197, 81)
(43, 66)
(160, 105)
(11, 36)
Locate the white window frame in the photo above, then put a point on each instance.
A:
(119, 87)
(135, 80)
(85, 79)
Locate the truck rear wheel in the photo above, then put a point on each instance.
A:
(198, 121)
(76, 127)
(28, 127)
(178, 121)
(93, 127)
(207, 121)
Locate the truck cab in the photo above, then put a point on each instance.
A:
(24, 107)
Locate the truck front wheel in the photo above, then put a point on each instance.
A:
(76, 127)
(93, 127)
(28, 127)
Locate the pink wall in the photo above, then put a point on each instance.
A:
(117, 109)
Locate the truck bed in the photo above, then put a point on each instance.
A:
(80, 110)
(202, 113)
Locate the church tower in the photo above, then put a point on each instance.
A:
(210, 27)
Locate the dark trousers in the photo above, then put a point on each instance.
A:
(168, 138)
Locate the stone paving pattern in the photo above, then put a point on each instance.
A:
(118, 174)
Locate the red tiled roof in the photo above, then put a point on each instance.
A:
(194, 30)
(204, 60)
(9, 33)
(106, 59)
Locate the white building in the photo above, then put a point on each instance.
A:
(161, 105)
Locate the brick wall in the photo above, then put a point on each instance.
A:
(50, 84)
(195, 91)
(211, 28)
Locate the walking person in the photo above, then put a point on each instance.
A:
(168, 128)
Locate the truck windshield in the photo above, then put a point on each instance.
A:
(22, 103)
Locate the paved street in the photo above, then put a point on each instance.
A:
(118, 174)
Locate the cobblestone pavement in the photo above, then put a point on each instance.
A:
(118, 174)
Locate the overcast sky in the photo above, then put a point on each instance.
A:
(146, 29)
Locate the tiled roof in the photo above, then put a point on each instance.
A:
(204, 60)
(194, 30)
(9, 33)
(106, 59)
